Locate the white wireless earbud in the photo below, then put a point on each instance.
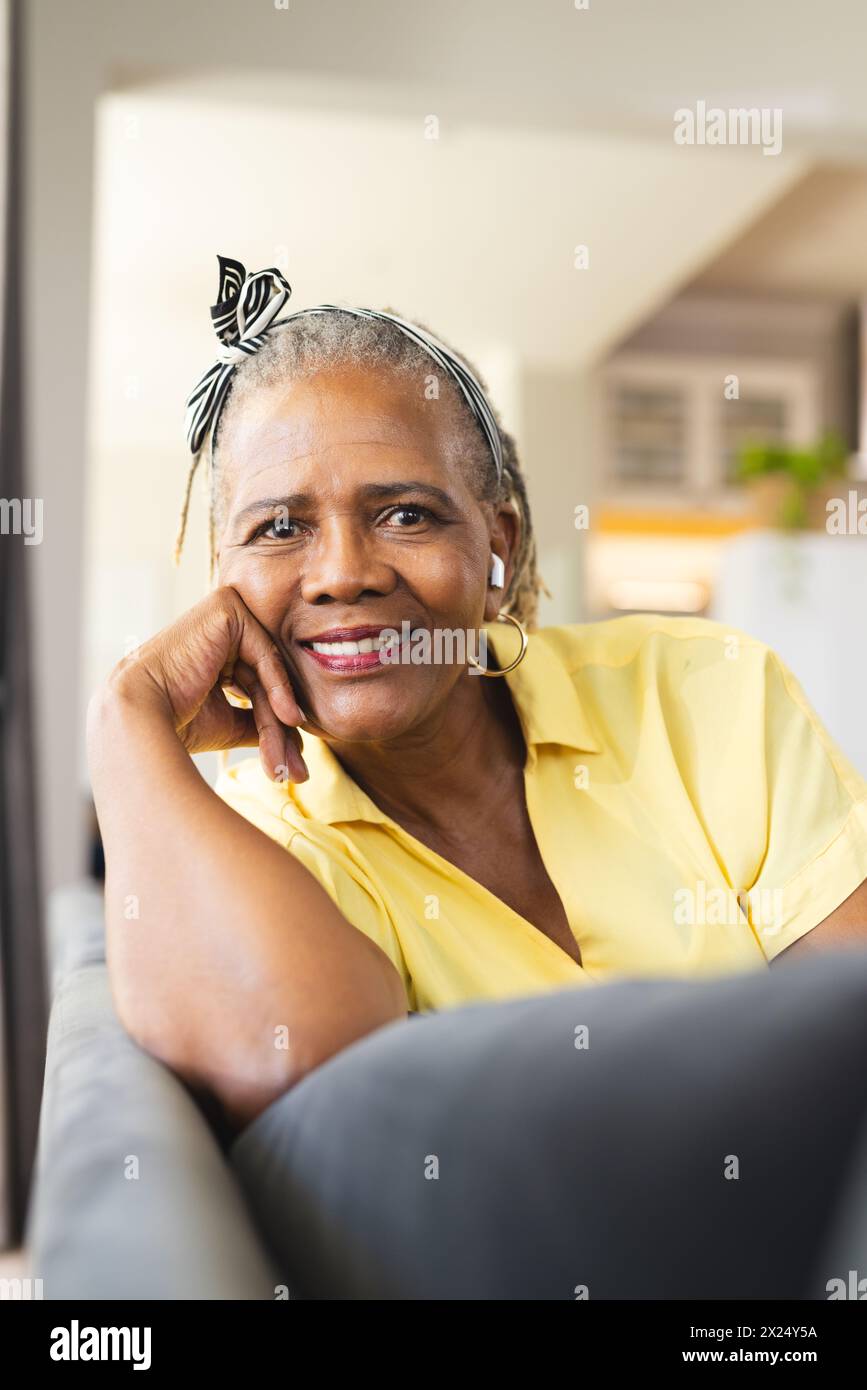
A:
(498, 572)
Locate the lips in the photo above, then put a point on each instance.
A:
(350, 648)
(349, 636)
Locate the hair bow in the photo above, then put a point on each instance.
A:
(246, 310)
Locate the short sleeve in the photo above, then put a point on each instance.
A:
(814, 807)
(323, 851)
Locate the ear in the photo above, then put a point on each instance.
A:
(505, 537)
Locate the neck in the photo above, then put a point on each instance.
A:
(439, 775)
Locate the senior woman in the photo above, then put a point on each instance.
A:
(557, 807)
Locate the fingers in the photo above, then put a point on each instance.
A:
(255, 646)
(259, 651)
(219, 725)
(279, 746)
(258, 670)
(242, 731)
(294, 769)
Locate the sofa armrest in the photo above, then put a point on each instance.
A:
(132, 1196)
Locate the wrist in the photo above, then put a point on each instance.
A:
(133, 683)
(129, 691)
(133, 748)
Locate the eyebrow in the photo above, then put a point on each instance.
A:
(377, 491)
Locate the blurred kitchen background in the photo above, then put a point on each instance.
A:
(676, 334)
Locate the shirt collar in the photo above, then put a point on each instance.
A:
(544, 694)
(543, 689)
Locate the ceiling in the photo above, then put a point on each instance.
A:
(618, 66)
(297, 139)
(813, 241)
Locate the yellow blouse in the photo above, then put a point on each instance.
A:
(690, 808)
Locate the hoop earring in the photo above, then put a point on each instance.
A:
(483, 670)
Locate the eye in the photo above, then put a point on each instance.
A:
(279, 528)
(416, 514)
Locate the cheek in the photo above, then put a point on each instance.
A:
(263, 583)
(449, 585)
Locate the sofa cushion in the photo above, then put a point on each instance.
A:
(642, 1139)
(132, 1198)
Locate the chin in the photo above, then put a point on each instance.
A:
(358, 730)
(356, 717)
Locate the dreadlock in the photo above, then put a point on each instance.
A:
(318, 342)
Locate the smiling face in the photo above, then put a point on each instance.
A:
(345, 505)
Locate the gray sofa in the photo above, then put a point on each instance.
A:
(706, 1141)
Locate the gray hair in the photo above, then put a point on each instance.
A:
(319, 342)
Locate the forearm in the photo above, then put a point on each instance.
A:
(216, 936)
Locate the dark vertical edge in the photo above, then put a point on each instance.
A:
(21, 918)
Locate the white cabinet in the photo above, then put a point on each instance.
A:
(668, 426)
(806, 596)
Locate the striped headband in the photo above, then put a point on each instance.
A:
(245, 313)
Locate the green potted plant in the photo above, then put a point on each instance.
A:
(791, 486)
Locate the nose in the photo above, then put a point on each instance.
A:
(343, 565)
